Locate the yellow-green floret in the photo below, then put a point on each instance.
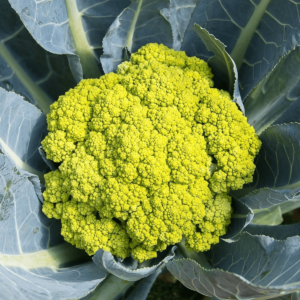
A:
(148, 156)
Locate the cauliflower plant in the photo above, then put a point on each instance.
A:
(148, 156)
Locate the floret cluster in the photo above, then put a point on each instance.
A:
(148, 156)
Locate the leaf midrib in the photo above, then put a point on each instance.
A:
(39, 96)
(53, 258)
(133, 25)
(20, 163)
(82, 46)
(242, 44)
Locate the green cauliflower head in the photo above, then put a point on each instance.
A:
(148, 156)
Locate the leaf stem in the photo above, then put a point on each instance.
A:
(132, 26)
(53, 257)
(39, 96)
(110, 288)
(242, 44)
(83, 49)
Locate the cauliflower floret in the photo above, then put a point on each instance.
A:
(55, 194)
(81, 173)
(230, 140)
(148, 156)
(81, 228)
(57, 146)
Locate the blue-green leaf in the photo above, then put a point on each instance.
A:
(276, 99)
(34, 261)
(241, 217)
(280, 232)
(276, 185)
(71, 27)
(52, 165)
(277, 177)
(252, 267)
(129, 269)
(223, 66)
(139, 24)
(27, 68)
(266, 197)
(291, 114)
(269, 204)
(113, 288)
(293, 296)
(22, 128)
(143, 288)
(257, 34)
(179, 14)
(268, 216)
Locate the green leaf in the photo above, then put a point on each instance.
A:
(223, 66)
(253, 267)
(257, 34)
(27, 68)
(139, 24)
(274, 99)
(75, 28)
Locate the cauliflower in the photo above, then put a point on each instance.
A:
(148, 156)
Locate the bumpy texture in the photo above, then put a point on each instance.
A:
(147, 156)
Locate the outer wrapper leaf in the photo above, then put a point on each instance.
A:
(139, 24)
(281, 232)
(32, 256)
(241, 218)
(276, 99)
(269, 204)
(143, 288)
(276, 180)
(71, 27)
(252, 267)
(270, 27)
(22, 128)
(25, 67)
(34, 261)
(52, 166)
(293, 296)
(223, 66)
(179, 14)
(268, 216)
(129, 269)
